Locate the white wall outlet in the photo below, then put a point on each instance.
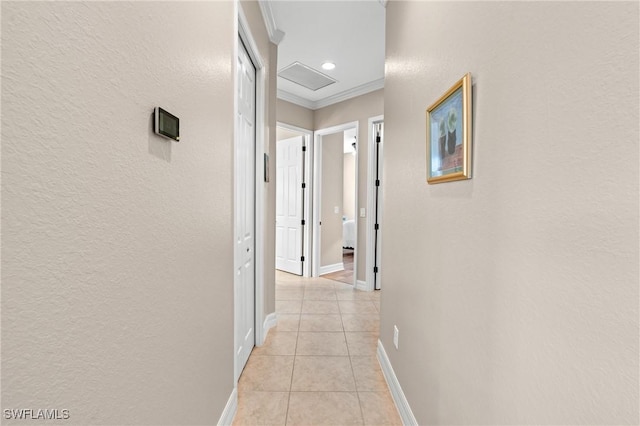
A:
(362, 212)
(336, 210)
(395, 336)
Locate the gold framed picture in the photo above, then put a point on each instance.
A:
(449, 134)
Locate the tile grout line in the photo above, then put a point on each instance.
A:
(295, 351)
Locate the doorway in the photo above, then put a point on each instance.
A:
(293, 199)
(335, 203)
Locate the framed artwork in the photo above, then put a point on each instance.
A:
(449, 134)
(266, 167)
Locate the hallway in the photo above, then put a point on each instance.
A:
(318, 365)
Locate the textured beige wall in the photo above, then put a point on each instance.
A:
(294, 115)
(269, 53)
(117, 267)
(516, 292)
(358, 109)
(331, 229)
(349, 186)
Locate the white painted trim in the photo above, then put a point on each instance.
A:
(308, 178)
(269, 322)
(244, 32)
(229, 412)
(275, 35)
(295, 99)
(402, 405)
(362, 285)
(317, 191)
(363, 89)
(371, 202)
(331, 268)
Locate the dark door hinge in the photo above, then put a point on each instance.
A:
(377, 182)
(303, 222)
(375, 269)
(304, 148)
(304, 185)
(302, 259)
(376, 226)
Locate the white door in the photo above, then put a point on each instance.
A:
(289, 204)
(245, 211)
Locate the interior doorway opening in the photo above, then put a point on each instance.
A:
(336, 203)
(293, 199)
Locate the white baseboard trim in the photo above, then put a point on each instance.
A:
(270, 321)
(362, 285)
(226, 419)
(408, 419)
(331, 268)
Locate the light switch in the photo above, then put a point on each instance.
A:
(362, 213)
(336, 210)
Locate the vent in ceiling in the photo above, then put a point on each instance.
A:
(305, 76)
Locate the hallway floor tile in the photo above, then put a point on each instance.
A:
(318, 366)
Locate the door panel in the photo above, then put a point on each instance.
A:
(245, 211)
(289, 212)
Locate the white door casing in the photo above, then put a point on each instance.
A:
(289, 205)
(244, 282)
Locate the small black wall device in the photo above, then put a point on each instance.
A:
(166, 124)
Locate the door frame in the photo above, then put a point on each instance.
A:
(371, 201)
(317, 193)
(308, 179)
(244, 33)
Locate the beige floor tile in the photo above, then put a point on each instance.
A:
(288, 306)
(375, 295)
(368, 374)
(324, 408)
(261, 408)
(320, 322)
(342, 286)
(322, 373)
(361, 322)
(278, 343)
(362, 343)
(320, 294)
(376, 303)
(319, 284)
(290, 294)
(266, 373)
(287, 322)
(357, 307)
(351, 294)
(320, 307)
(321, 343)
(378, 409)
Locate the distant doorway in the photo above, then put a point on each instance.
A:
(335, 227)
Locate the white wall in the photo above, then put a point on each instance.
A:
(516, 292)
(117, 260)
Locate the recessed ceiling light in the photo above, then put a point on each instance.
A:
(328, 66)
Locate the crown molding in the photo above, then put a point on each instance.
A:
(275, 35)
(333, 99)
(295, 99)
(363, 89)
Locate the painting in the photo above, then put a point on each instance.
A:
(449, 134)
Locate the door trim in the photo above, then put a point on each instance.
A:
(317, 191)
(371, 201)
(308, 179)
(244, 33)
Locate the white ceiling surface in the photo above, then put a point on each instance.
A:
(347, 33)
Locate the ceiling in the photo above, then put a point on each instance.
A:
(347, 33)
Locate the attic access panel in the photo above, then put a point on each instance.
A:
(305, 76)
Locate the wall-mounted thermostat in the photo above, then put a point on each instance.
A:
(166, 124)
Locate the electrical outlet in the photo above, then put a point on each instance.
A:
(395, 336)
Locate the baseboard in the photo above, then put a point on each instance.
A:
(362, 285)
(394, 386)
(269, 322)
(331, 268)
(226, 419)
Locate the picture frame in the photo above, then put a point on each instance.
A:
(449, 134)
(266, 167)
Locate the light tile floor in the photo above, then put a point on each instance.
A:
(318, 365)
